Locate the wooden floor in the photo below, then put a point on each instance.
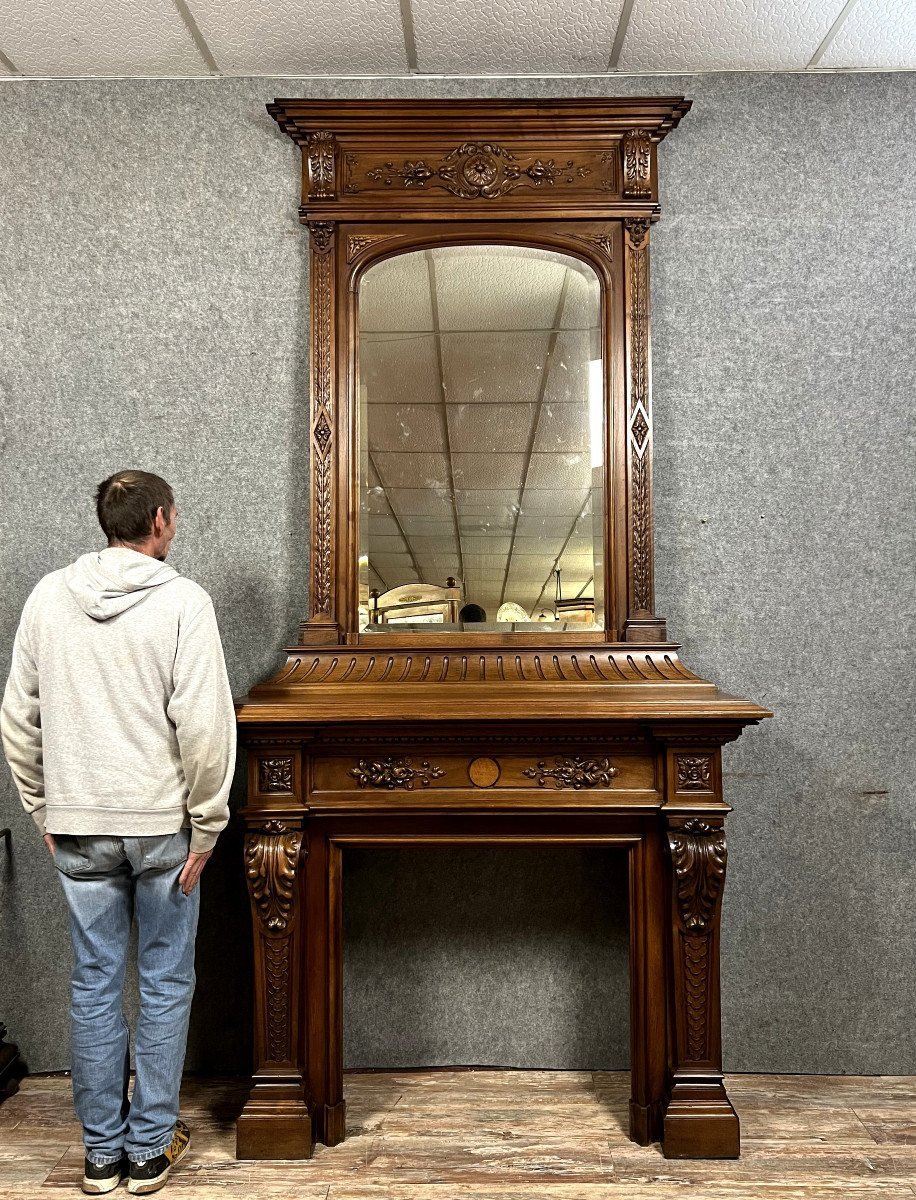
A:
(507, 1135)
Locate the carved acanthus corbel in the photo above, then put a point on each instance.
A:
(271, 861)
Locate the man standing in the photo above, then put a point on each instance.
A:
(118, 725)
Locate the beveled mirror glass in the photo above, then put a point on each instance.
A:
(481, 436)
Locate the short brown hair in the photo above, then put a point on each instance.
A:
(127, 503)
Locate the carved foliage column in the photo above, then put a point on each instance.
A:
(272, 852)
(323, 424)
(698, 859)
(641, 625)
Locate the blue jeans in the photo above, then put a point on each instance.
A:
(106, 880)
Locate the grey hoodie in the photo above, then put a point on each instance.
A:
(117, 716)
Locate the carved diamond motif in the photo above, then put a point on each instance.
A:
(323, 433)
(640, 430)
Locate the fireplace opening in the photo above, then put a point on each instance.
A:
(486, 956)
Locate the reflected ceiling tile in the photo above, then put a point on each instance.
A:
(708, 35)
(876, 33)
(97, 37)
(419, 501)
(563, 428)
(284, 37)
(545, 547)
(560, 472)
(484, 369)
(418, 471)
(514, 36)
(401, 369)
(477, 291)
(546, 503)
(382, 526)
(481, 471)
(474, 544)
(489, 426)
(543, 527)
(406, 427)
(394, 295)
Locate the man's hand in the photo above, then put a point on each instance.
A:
(49, 842)
(191, 871)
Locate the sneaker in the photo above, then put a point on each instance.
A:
(150, 1176)
(97, 1180)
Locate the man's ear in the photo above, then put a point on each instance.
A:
(159, 522)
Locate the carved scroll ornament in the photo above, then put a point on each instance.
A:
(271, 860)
(394, 773)
(637, 163)
(574, 773)
(321, 164)
(698, 856)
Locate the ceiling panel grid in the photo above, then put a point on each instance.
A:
(875, 33)
(287, 37)
(721, 35)
(97, 37)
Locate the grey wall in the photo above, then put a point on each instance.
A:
(154, 313)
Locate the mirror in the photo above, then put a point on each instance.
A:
(481, 440)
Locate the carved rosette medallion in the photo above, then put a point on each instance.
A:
(640, 426)
(473, 170)
(394, 773)
(694, 773)
(637, 163)
(574, 773)
(698, 859)
(321, 165)
(271, 861)
(322, 234)
(275, 775)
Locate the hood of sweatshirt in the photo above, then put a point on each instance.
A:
(108, 582)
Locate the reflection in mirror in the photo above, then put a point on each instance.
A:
(481, 441)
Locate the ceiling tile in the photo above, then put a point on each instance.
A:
(400, 369)
(406, 427)
(560, 472)
(413, 471)
(497, 287)
(493, 368)
(709, 35)
(876, 33)
(394, 295)
(483, 471)
(97, 37)
(287, 37)
(563, 428)
(514, 36)
(489, 426)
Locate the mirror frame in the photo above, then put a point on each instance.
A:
(381, 178)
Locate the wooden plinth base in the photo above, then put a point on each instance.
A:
(700, 1122)
(269, 1127)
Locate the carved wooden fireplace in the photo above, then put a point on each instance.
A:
(481, 428)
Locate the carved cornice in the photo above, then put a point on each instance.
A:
(698, 858)
(321, 146)
(394, 773)
(271, 860)
(574, 773)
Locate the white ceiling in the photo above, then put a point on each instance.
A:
(63, 38)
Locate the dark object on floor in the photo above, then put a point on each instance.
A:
(12, 1068)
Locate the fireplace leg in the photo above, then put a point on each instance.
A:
(275, 1122)
(700, 1121)
(324, 1043)
(648, 1044)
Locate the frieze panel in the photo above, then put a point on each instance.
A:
(481, 170)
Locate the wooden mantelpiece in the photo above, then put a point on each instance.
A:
(367, 738)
